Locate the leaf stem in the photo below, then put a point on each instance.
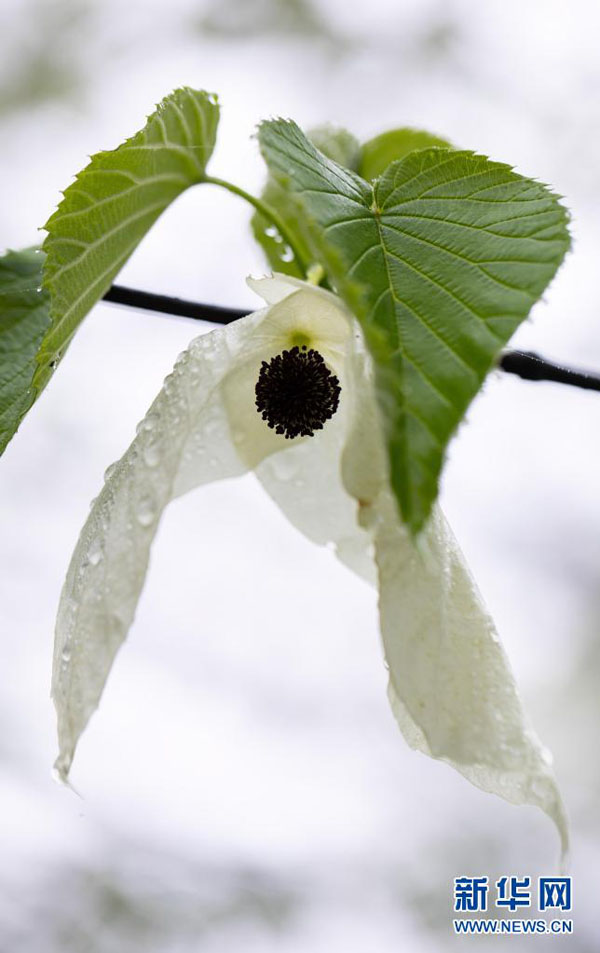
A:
(265, 210)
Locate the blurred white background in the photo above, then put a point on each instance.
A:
(243, 785)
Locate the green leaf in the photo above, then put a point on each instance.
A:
(337, 144)
(277, 252)
(111, 205)
(378, 153)
(24, 318)
(440, 259)
(370, 159)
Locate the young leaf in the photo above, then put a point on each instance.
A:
(336, 143)
(378, 153)
(111, 205)
(440, 259)
(24, 318)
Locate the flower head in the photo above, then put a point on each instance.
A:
(295, 379)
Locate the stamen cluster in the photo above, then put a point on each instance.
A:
(296, 392)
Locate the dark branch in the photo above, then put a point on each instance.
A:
(525, 364)
(177, 306)
(532, 367)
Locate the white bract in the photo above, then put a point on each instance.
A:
(450, 685)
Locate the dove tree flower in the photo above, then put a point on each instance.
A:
(341, 403)
(289, 390)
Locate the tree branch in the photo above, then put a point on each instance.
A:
(525, 364)
(532, 367)
(177, 306)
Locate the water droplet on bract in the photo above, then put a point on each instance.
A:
(95, 552)
(114, 625)
(539, 788)
(546, 756)
(38, 290)
(66, 654)
(146, 510)
(148, 423)
(109, 472)
(272, 232)
(152, 455)
(287, 254)
(211, 426)
(284, 467)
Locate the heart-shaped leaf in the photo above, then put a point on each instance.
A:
(441, 259)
